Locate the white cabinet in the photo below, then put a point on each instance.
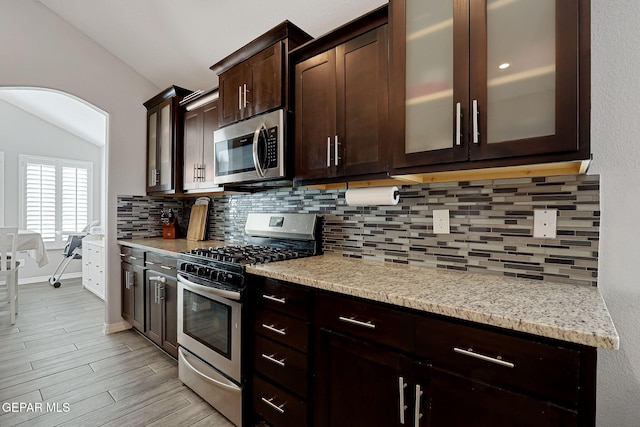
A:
(93, 266)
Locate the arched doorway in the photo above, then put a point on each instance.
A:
(53, 127)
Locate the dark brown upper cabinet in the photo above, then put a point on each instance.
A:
(200, 121)
(253, 87)
(254, 79)
(164, 141)
(487, 83)
(342, 101)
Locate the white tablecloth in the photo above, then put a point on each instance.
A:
(31, 242)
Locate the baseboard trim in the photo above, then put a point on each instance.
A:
(111, 328)
(40, 279)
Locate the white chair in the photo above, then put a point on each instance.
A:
(9, 266)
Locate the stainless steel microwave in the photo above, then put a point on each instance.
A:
(252, 150)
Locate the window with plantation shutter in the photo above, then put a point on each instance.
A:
(55, 197)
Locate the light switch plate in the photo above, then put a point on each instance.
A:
(544, 223)
(441, 221)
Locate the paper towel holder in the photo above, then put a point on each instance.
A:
(372, 196)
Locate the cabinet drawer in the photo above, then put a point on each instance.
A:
(543, 369)
(282, 297)
(282, 328)
(162, 263)
(132, 256)
(282, 364)
(276, 406)
(370, 321)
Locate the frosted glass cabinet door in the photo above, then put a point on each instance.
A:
(429, 78)
(152, 161)
(436, 80)
(165, 144)
(524, 78)
(488, 79)
(520, 82)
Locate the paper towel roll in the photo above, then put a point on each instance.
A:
(372, 196)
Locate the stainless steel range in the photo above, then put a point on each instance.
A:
(211, 294)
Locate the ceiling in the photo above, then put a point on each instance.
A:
(175, 42)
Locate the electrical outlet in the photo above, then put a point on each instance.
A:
(544, 223)
(441, 221)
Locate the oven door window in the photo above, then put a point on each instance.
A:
(208, 322)
(234, 156)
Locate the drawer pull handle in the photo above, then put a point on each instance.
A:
(471, 353)
(273, 405)
(123, 254)
(166, 268)
(353, 321)
(275, 299)
(133, 258)
(273, 328)
(273, 360)
(149, 263)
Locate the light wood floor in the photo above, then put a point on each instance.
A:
(57, 355)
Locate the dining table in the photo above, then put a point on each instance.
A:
(31, 242)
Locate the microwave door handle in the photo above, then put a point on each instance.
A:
(256, 160)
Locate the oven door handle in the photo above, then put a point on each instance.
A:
(232, 295)
(206, 377)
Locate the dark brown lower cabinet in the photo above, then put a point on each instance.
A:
(162, 306)
(150, 296)
(374, 364)
(363, 384)
(359, 384)
(458, 401)
(132, 279)
(280, 353)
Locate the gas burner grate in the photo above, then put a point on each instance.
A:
(247, 255)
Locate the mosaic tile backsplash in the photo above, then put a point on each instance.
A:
(491, 224)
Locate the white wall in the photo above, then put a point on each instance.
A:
(615, 142)
(24, 133)
(40, 49)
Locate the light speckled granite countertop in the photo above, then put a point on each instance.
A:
(571, 313)
(170, 247)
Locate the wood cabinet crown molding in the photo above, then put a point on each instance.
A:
(284, 30)
(170, 92)
(362, 24)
